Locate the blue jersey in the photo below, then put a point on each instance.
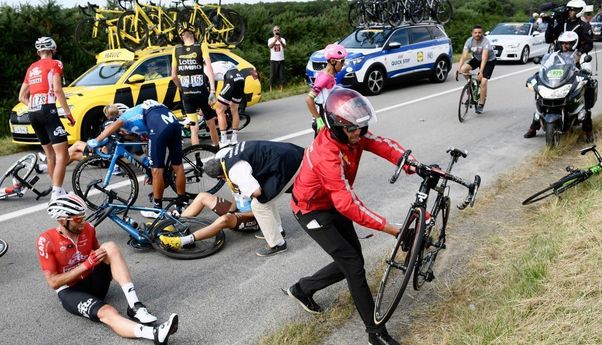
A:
(133, 120)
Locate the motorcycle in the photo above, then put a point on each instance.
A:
(560, 94)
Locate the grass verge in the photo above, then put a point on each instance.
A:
(291, 89)
(7, 147)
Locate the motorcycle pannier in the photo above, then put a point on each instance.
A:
(591, 93)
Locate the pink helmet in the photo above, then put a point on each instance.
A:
(335, 51)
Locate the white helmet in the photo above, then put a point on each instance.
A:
(535, 14)
(149, 103)
(66, 205)
(589, 9)
(580, 5)
(45, 43)
(121, 107)
(569, 36)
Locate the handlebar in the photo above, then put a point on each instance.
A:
(402, 161)
(593, 149)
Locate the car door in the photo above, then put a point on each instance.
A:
(422, 48)
(538, 42)
(398, 61)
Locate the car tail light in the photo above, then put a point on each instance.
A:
(254, 74)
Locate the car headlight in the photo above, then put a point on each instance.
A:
(561, 92)
(354, 61)
(309, 65)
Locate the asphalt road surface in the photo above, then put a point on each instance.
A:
(234, 296)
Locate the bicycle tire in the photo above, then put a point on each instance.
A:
(557, 187)
(196, 180)
(84, 36)
(29, 161)
(197, 250)
(392, 285)
(465, 103)
(186, 16)
(128, 24)
(90, 169)
(415, 11)
(3, 247)
(443, 11)
(356, 15)
(236, 34)
(243, 122)
(394, 12)
(433, 242)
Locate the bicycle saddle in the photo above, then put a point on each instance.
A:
(454, 152)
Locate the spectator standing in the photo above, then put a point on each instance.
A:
(276, 44)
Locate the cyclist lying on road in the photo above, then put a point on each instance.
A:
(80, 269)
(156, 121)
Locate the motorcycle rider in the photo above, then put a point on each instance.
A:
(570, 20)
(568, 41)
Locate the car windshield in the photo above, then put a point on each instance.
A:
(511, 29)
(105, 73)
(367, 39)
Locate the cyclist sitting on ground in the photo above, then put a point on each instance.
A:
(188, 63)
(326, 206)
(324, 83)
(80, 269)
(40, 90)
(156, 121)
(483, 58)
(231, 95)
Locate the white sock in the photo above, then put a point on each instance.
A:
(130, 293)
(223, 135)
(187, 239)
(58, 190)
(141, 331)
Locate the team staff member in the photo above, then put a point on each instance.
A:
(156, 121)
(326, 206)
(571, 21)
(325, 81)
(263, 171)
(483, 58)
(40, 90)
(80, 269)
(188, 62)
(230, 96)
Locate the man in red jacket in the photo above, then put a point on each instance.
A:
(326, 206)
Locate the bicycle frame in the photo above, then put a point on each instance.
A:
(119, 152)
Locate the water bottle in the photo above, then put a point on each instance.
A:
(131, 222)
(243, 203)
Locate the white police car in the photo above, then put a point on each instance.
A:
(378, 55)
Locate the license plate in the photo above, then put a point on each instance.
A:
(20, 129)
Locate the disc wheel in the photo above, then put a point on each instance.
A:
(184, 227)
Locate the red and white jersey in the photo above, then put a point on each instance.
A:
(39, 77)
(59, 254)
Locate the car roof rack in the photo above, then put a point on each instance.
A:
(402, 24)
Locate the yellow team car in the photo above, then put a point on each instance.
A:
(125, 77)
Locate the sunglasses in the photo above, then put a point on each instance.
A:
(351, 128)
(77, 219)
(571, 9)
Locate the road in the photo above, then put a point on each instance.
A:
(234, 296)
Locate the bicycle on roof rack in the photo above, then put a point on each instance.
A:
(419, 242)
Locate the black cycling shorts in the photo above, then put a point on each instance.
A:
(87, 296)
(193, 102)
(489, 66)
(163, 135)
(47, 125)
(234, 88)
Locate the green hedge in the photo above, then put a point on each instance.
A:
(307, 26)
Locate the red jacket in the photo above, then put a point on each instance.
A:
(327, 174)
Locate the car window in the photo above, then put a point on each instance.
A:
(400, 36)
(511, 29)
(367, 39)
(420, 34)
(154, 68)
(597, 18)
(105, 73)
(436, 32)
(222, 57)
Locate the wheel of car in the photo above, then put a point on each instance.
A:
(92, 125)
(440, 71)
(524, 56)
(374, 81)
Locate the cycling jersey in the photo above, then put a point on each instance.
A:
(133, 120)
(59, 254)
(189, 61)
(328, 172)
(233, 89)
(220, 68)
(39, 77)
(322, 87)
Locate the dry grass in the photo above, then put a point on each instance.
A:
(7, 147)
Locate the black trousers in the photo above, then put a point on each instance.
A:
(276, 73)
(336, 235)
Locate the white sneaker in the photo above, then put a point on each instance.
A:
(234, 139)
(41, 157)
(141, 314)
(163, 331)
(43, 167)
(223, 144)
(149, 214)
(117, 171)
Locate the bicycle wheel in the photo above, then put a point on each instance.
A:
(193, 158)
(91, 39)
(465, 103)
(356, 15)
(244, 120)
(400, 266)
(133, 32)
(91, 169)
(189, 16)
(432, 244)
(184, 227)
(558, 187)
(415, 10)
(3, 247)
(28, 163)
(442, 11)
(234, 27)
(394, 12)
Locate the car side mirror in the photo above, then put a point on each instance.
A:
(537, 60)
(393, 45)
(136, 78)
(536, 33)
(587, 58)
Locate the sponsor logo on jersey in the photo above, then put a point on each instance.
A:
(36, 71)
(84, 307)
(59, 132)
